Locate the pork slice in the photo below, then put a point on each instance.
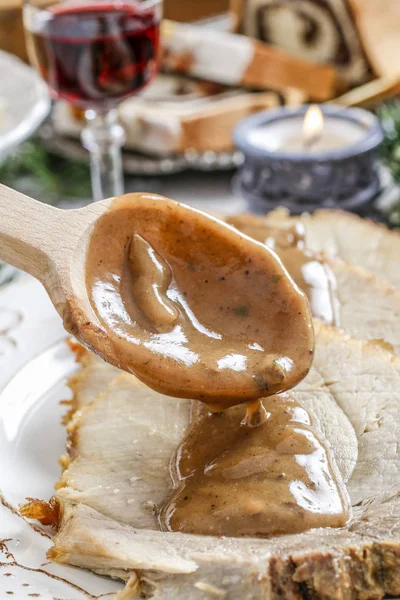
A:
(358, 241)
(352, 390)
(364, 379)
(323, 564)
(122, 445)
(368, 308)
(125, 438)
(92, 378)
(330, 420)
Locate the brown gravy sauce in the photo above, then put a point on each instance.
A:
(311, 272)
(197, 310)
(194, 308)
(238, 480)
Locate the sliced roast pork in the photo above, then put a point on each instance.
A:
(122, 444)
(369, 308)
(358, 241)
(122, 436)
(92, 378)
(111, 492)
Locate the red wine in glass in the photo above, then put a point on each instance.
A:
(94, 55)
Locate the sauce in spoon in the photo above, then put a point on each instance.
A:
(193, 307)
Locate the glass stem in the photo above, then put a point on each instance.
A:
(103, 136)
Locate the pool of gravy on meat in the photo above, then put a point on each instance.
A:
(272, 475)
(311, 272)
(193, 307)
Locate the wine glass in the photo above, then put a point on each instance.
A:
(94, 54)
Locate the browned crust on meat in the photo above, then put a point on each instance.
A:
(82, 356)
(365, 572)
(47, 513)
(77, 348)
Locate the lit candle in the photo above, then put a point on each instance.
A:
(312, 133)
(308, 157)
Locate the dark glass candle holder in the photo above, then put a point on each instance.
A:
(345, 177)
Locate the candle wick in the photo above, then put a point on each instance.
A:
(310, 140)
(313, 126)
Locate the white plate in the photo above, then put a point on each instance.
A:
(34, 365)
(24, 102)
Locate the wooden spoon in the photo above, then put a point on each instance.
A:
(53, 246)
(50, 244)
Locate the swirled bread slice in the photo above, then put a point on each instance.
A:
(110, 531)
(238, 60)
(321, 31)
(379, 31)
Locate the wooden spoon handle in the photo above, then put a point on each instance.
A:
(27, 232)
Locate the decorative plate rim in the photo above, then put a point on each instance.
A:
(31, 330)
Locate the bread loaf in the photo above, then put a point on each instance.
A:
(320, 30)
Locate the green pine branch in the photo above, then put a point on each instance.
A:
(390, 118)
(390, 151)
(56, 177)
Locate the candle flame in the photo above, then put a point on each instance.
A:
(313, 125)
